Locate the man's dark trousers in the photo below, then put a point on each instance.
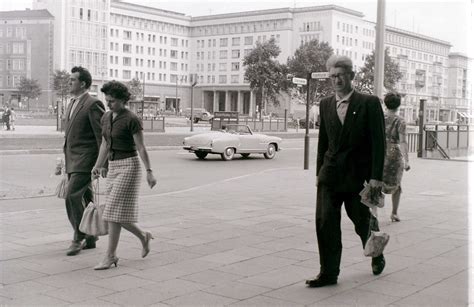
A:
(328, 225)
(79, 194)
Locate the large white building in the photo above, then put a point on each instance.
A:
(164, 49)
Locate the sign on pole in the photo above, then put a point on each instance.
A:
(300, 81)
(320, 75)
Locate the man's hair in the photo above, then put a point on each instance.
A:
(116, 89)
(84, 75)
(392, 101)
(339, 61)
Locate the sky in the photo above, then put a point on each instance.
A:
(448, 20)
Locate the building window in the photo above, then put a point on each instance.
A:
(127, 48)
(174, 42)
(235, 41)
(174, 54)
(235, 66)
(223, 54)
(222, 79)
(127, 74)
(222, 66)
(234, 79)
(223, 42)
(235, 54)
(127, 61)
(173, 66)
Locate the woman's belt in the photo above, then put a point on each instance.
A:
(119, 154)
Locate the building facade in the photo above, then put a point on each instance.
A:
(167, 50)
(26, 51)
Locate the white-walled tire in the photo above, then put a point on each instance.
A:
(228, 154)
(271, 151)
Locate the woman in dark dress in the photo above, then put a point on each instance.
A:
(122, 145)
(396, 156)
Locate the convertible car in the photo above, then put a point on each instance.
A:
(231, 140)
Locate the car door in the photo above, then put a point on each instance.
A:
(248, 141)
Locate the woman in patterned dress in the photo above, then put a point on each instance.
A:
(122, 143)
(396, 157)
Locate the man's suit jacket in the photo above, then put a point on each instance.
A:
(83, 134)
(352, 153)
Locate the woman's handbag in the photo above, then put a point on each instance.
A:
(92, 222)
(61, 189)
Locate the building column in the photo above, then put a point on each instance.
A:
(203, 101)
(252, 104)
(240, 106)
(215, 102)
(227, 101)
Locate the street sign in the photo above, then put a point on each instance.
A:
(320, 75)
(299, 81)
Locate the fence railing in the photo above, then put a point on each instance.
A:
(412, 140)
(258, 125)
(155, 124)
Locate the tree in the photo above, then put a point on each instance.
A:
(364, 79)
(30, 89)
(61, 84)
(136, 88)
(311, 57)
(264, 73)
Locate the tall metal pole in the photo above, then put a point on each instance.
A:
(177, 106)
(192, 107)
(379, 49)
(306, 135)
(143, 100)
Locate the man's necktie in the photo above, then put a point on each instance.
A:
(73, 106)
(342, 110)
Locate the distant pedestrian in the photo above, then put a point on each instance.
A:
(12, 118)
(351, 150)
(396, 157)
(82, 139)
(6, 117)
(122, 143)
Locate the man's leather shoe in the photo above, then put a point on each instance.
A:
(321, 281)
(90, 242)
(74, 248)
(378, 264)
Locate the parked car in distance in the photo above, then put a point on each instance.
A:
(232, 139)
(198, 114)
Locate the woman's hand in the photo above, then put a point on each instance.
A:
(407, 167)
(150, 178)
(95, 173)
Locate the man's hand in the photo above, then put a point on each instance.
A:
(375, 189)
(407, 167)
(95, 173)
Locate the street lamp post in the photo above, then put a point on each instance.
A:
(193, 84)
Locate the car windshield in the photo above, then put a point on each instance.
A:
(242, 130)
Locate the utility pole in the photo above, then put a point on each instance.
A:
(193, 84)
(379, 49)
(306, 135)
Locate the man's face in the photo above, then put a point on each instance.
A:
(341, 80)
(75, 85)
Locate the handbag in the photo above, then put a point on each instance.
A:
(92, 222)
(376, 243)
(61, 189)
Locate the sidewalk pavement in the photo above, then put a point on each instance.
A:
(249, 242)
(51, 131)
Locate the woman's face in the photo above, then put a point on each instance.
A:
(114, 104)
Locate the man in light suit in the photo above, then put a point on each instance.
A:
(81, 147)
(351, 151)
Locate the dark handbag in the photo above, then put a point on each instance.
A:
(92, 222)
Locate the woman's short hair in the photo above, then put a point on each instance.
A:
(339, 61)
(116, 89)
(392, 101)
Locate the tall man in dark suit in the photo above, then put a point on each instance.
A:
(351, 150)
(81, 148)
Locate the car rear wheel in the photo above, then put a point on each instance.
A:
(271, 151)
(245, 155)
(201, 155)
(228, 154)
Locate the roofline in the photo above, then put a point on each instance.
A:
(418, 36)
(278, 11)
(11, 14)
(148, 10)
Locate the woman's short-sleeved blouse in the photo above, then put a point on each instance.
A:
(118, 132)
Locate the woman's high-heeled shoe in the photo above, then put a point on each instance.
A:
(107, 263)
(146, 246)
(394, 218)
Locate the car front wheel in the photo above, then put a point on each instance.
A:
(201, 155)
(228, 154)
(271, 151)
